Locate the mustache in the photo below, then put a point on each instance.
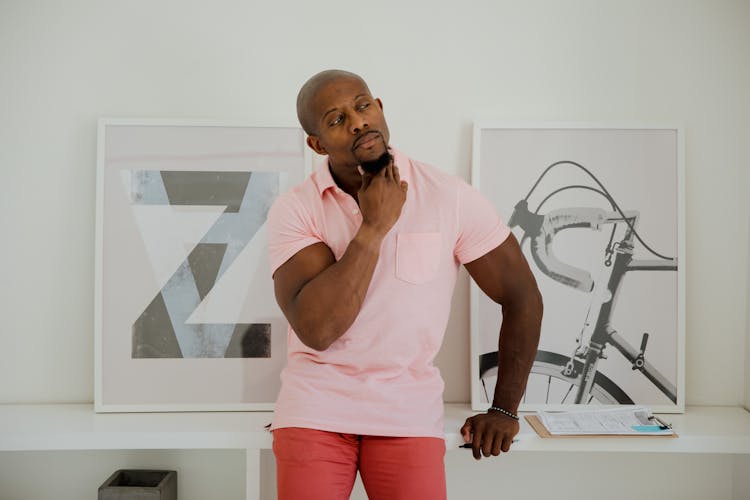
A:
(363, 136)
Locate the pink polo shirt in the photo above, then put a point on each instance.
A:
(378, 378)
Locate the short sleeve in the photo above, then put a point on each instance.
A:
(480, 229)
(290, 229)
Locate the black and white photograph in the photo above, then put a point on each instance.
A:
(597, 212)
(186, 317)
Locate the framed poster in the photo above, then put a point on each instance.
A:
(599, 213)
(185, 314)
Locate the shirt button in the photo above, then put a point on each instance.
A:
(355, 211)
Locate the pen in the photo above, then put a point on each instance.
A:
(662, 424)
(469, 445)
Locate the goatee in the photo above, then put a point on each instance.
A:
(378, 164)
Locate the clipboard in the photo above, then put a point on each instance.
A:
(542, 431)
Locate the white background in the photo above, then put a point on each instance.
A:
(438, 66)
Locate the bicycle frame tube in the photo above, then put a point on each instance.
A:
(603, 331)
(652, 265)
(601, 334)
(648, 370)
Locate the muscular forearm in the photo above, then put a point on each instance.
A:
(326, 306)
(519, 338)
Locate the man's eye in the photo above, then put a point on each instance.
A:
(363, 106)
(336, 121)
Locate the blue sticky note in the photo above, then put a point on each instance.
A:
(646, 428)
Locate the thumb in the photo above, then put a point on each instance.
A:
(366, 180)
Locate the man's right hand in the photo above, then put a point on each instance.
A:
(381, 198)
(309, 286)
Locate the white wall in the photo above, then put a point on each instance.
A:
(747, 321)
(437, 67)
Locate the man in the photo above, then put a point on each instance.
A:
(364, 256)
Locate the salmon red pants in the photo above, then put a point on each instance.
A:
(320, 465)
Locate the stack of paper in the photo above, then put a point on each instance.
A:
(631, 420)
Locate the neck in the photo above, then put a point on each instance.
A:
(348, 179)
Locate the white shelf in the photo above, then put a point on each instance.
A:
(701, 429)
(77, 427)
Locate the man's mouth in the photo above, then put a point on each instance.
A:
(366, 140)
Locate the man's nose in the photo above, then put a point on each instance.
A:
(358, 124)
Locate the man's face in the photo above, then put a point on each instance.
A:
(350, 123)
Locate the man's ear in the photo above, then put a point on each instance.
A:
(380, 103)
(314, 143)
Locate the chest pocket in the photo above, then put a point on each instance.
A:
(418, 256)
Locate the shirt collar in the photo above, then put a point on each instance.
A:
(324, 180)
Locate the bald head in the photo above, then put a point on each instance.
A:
(306, 96)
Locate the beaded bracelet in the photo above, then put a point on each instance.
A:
(505, 412)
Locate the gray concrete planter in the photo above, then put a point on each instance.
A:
(140, 485)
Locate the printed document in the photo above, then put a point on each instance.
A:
(616, 421)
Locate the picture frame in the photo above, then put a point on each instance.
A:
(599, 211)
(185, 313)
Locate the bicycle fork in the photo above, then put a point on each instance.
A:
(588, 372)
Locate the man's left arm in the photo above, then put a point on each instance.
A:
(504, 275)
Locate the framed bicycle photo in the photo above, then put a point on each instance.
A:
(599, 214)
(185, 315)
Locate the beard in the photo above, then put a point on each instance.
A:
(378, 164)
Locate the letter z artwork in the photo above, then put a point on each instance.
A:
(165, 329)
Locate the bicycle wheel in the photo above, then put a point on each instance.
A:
(547, 384)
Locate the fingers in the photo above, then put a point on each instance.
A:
(466, 431)
(397, 177)
(389, 174)
(493, 444)
(366, 181)
(366, 178)
(476, 442)
(475, 435)
(496, 445)
(507, 441)
(487, 441)
(488, 436)
(481, 442)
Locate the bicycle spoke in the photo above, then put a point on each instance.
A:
(566, 394)
(550, 365)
